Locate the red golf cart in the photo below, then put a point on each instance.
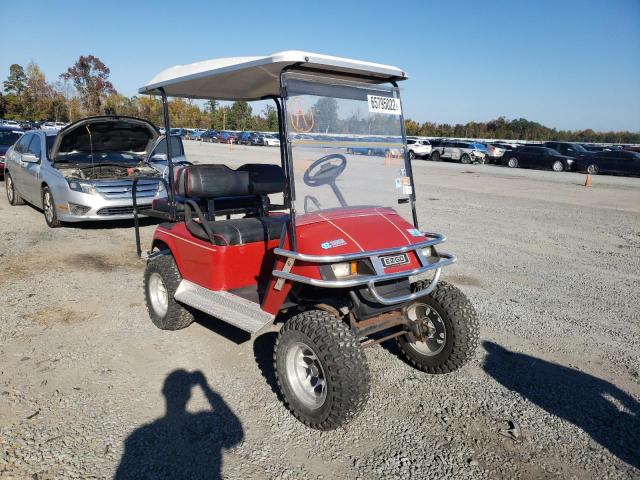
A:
(326, 241)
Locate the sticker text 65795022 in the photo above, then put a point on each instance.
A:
(387, 105)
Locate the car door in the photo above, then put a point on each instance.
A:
(31, 170)
(623, 162)
(17, 165)
(606, 162)
(524, 157)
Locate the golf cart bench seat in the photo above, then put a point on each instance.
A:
(240, 231)
(223, 191)
(219, 190)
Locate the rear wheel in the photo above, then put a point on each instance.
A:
(593, 169)
(49, 208)
(161, 280)
(321, 370)
(412, 155)
(512, 162)
(370, 152)
(449, 325)
(466, 159)
(435, 156)
(557, 166)
(13, 197)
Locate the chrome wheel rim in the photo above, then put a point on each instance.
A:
(433, 329)
(592, 169)
(512, 162)
(557, 166)
(306, 376)
(48, 207)
(158, 294)
(9, 185)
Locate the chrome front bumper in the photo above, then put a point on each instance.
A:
(444, 259)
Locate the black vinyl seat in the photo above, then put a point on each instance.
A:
(240, 231)
(204, 191)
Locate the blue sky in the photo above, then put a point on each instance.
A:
(567, 63)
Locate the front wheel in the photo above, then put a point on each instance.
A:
(435, 156)
(161, 280)
(321, 370)
(466, 159)
(412, 155)
(512, 162)
(593, 169)
(449, 327)
(557, 166)
(49, 208)
(13, 196)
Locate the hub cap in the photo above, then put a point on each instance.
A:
(432, 326)
(48, 208)
(158, 294)
(513, 162)
(306, 375)
(557, 166)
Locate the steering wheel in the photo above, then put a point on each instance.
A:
(325, 170)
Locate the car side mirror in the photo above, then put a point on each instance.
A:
(159, 157)
(30, 158)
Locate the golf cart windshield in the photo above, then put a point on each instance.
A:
(347, 146)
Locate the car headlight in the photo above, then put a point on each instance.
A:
(84, 187)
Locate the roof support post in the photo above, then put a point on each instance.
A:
(167, 136)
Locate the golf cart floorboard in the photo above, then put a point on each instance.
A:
(238, 311)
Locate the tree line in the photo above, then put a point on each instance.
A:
(84, 90)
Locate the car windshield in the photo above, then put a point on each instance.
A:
(8, 137)
(347, 145)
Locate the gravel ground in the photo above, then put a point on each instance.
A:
(90, 388)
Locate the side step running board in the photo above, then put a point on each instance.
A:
(226, 306)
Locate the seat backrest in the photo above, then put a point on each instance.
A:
(264, 178)
(212, 181)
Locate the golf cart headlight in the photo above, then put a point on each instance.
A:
(346, 269)
(83, 187)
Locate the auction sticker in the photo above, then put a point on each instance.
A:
(388, 105)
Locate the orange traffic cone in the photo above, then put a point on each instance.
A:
(587, 182)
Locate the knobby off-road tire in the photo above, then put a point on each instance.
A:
(13, 196)
(460, 322)
(331, 352)
(166, 314)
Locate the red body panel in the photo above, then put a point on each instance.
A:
(213, 266)
(332, 232)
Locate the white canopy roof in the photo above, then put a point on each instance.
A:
(253, 78)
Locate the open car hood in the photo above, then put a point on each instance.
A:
(102, 135)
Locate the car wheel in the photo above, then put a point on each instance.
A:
(161, 280)
(512, 162)
(593, 169)
(370, 152)
(449, 325)
(435, 156)
(49, 208)
(557, 166)
(321, 370)
(466, 159)
(13, 197)
(411, 155)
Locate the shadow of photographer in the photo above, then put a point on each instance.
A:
(182, 445)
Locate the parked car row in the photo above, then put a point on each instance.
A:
(225, 136)
(32, 125)
(556, 156)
